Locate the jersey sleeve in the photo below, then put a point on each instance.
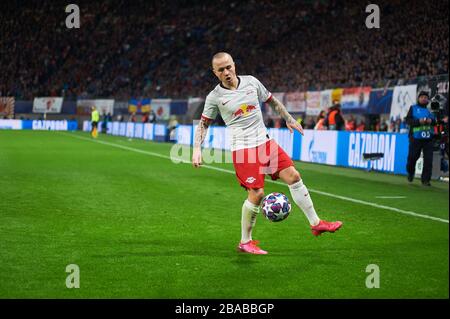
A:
(263, 94)
(211, 108)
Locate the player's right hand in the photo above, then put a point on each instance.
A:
(294, 125)
(197, 158)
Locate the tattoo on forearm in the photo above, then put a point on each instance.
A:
(200, 133)
(278, 107)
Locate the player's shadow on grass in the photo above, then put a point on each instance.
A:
(242, 259)
(166, 248)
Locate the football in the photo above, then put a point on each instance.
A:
(276, 207)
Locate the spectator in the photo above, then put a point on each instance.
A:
(361, 127)
(376, 125)
(320, 121)
(104, 123)
(152, 117)
(350, 124)
(132, 117)
(383, 126)
(145, 118)
(334, 119)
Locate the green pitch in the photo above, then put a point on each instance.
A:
(139, 226)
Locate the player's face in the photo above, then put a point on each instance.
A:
(225, 70)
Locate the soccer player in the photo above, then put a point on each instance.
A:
(255, 154)
(95, 118)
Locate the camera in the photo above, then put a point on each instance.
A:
(437, 107)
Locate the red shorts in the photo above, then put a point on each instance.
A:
(252, 164)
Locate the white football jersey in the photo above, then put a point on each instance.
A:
(240, 110)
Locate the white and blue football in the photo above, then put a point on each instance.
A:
(276, 207)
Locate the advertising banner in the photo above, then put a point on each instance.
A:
(393, 146)
(284, 138)
(319, 147)
(138, 130)
(380, 101)
(184, 134)
(10, 124)
(139, 106)
(7, 106)
(336, 95)
(313, 103)
(355, 99)
(148, 131)
(161, 108)
(403, 97)
(295, 102)
(326, 99)
(47, 104)
(130, 130)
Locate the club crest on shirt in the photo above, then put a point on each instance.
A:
(244, 110)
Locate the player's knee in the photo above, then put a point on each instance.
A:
(295, 177)
(260, 194)
(256, 195)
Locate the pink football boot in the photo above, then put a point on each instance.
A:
(251, 248)
(325, 226)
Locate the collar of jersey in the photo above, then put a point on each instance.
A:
(239, 82)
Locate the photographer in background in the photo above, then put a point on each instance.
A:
(421, 132)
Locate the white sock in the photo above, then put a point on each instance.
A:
(301, 197)
(248, 221)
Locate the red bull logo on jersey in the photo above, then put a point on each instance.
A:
(244, 110)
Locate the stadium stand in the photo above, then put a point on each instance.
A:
(143, 48)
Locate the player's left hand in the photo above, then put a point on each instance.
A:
(295, 126)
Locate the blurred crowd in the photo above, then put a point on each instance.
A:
(334, 119)
(350, 122)
(158, 49)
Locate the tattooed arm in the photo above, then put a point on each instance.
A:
(291, 123)
(200, 134)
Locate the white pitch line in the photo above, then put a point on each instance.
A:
(391, 197)
(349, 199)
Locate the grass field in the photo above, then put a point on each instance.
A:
(139, 226)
